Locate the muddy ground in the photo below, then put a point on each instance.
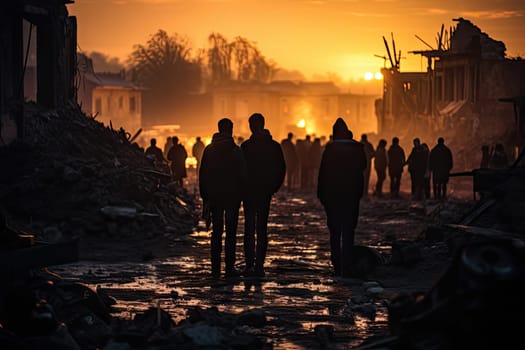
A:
(298, 292)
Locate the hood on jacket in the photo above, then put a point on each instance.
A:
(339, 129)
(221, 137)
(263, 134)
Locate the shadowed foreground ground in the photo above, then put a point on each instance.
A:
(298, 292)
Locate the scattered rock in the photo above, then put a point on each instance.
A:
(253, 318)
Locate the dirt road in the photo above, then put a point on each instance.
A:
(298, 292)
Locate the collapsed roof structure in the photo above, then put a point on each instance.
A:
(467, 76)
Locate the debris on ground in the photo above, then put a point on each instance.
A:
(72, 176)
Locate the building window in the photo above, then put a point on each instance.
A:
(132, 104)
(98, 105)
(121, 102)
(109, 104)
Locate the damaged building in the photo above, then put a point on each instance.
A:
(300, 107)
(54, 30)
(468, 78)
(110, 97)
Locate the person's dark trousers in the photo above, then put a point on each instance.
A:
(395, 183)
(437, 189)
(256, 211)
(381, 175)
(440, 189)
(342, 221)
(413, 183)
(290, 179)
(305, 177)
(366, 179)
(444, 190)
(220, 215)
(418, 184)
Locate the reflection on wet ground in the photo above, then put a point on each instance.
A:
(298, 292)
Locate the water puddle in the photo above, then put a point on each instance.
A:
(297, 294)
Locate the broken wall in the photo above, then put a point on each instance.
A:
(10, 77)
(500, 79)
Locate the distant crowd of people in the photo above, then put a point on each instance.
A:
(303, 161)
(174, 155)
(232, 172)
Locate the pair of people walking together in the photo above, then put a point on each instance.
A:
(250, 174)
(253, 172)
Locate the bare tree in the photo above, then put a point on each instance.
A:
(250, 63)
(240, 59)
(165, 63)
(169, 73)
(219, 57)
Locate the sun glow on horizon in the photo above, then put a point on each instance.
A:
(370, 76)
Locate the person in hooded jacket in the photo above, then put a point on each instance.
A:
(177, 155)
(340, 189)
(396, 161)
(266, 170)
(417, 166)
(440, 164)
(380, 165)
(291, 160)
(370, 153)
(221, 177)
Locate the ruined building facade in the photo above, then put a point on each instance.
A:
(298, 107)
(459, 96)
(109, 97)
(55, 32)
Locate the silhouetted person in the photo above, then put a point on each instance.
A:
(380, 165)
(499, 159)
(417, 165)
(426, 177)
(315, 154)
(291, 160)
(485, 157)
(167, 147)
(221, 179)
(396, 161)
(369, 152)
(197, 151)
(340, 188)
(303, 149)
(440, 164)
(266, 170)
(153, 152)
(177, 155)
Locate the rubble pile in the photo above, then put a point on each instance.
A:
(475, 304)
(477, 301)
(72, 176)
(54, 314)
(502, 208)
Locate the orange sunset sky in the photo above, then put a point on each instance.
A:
(313, 36)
